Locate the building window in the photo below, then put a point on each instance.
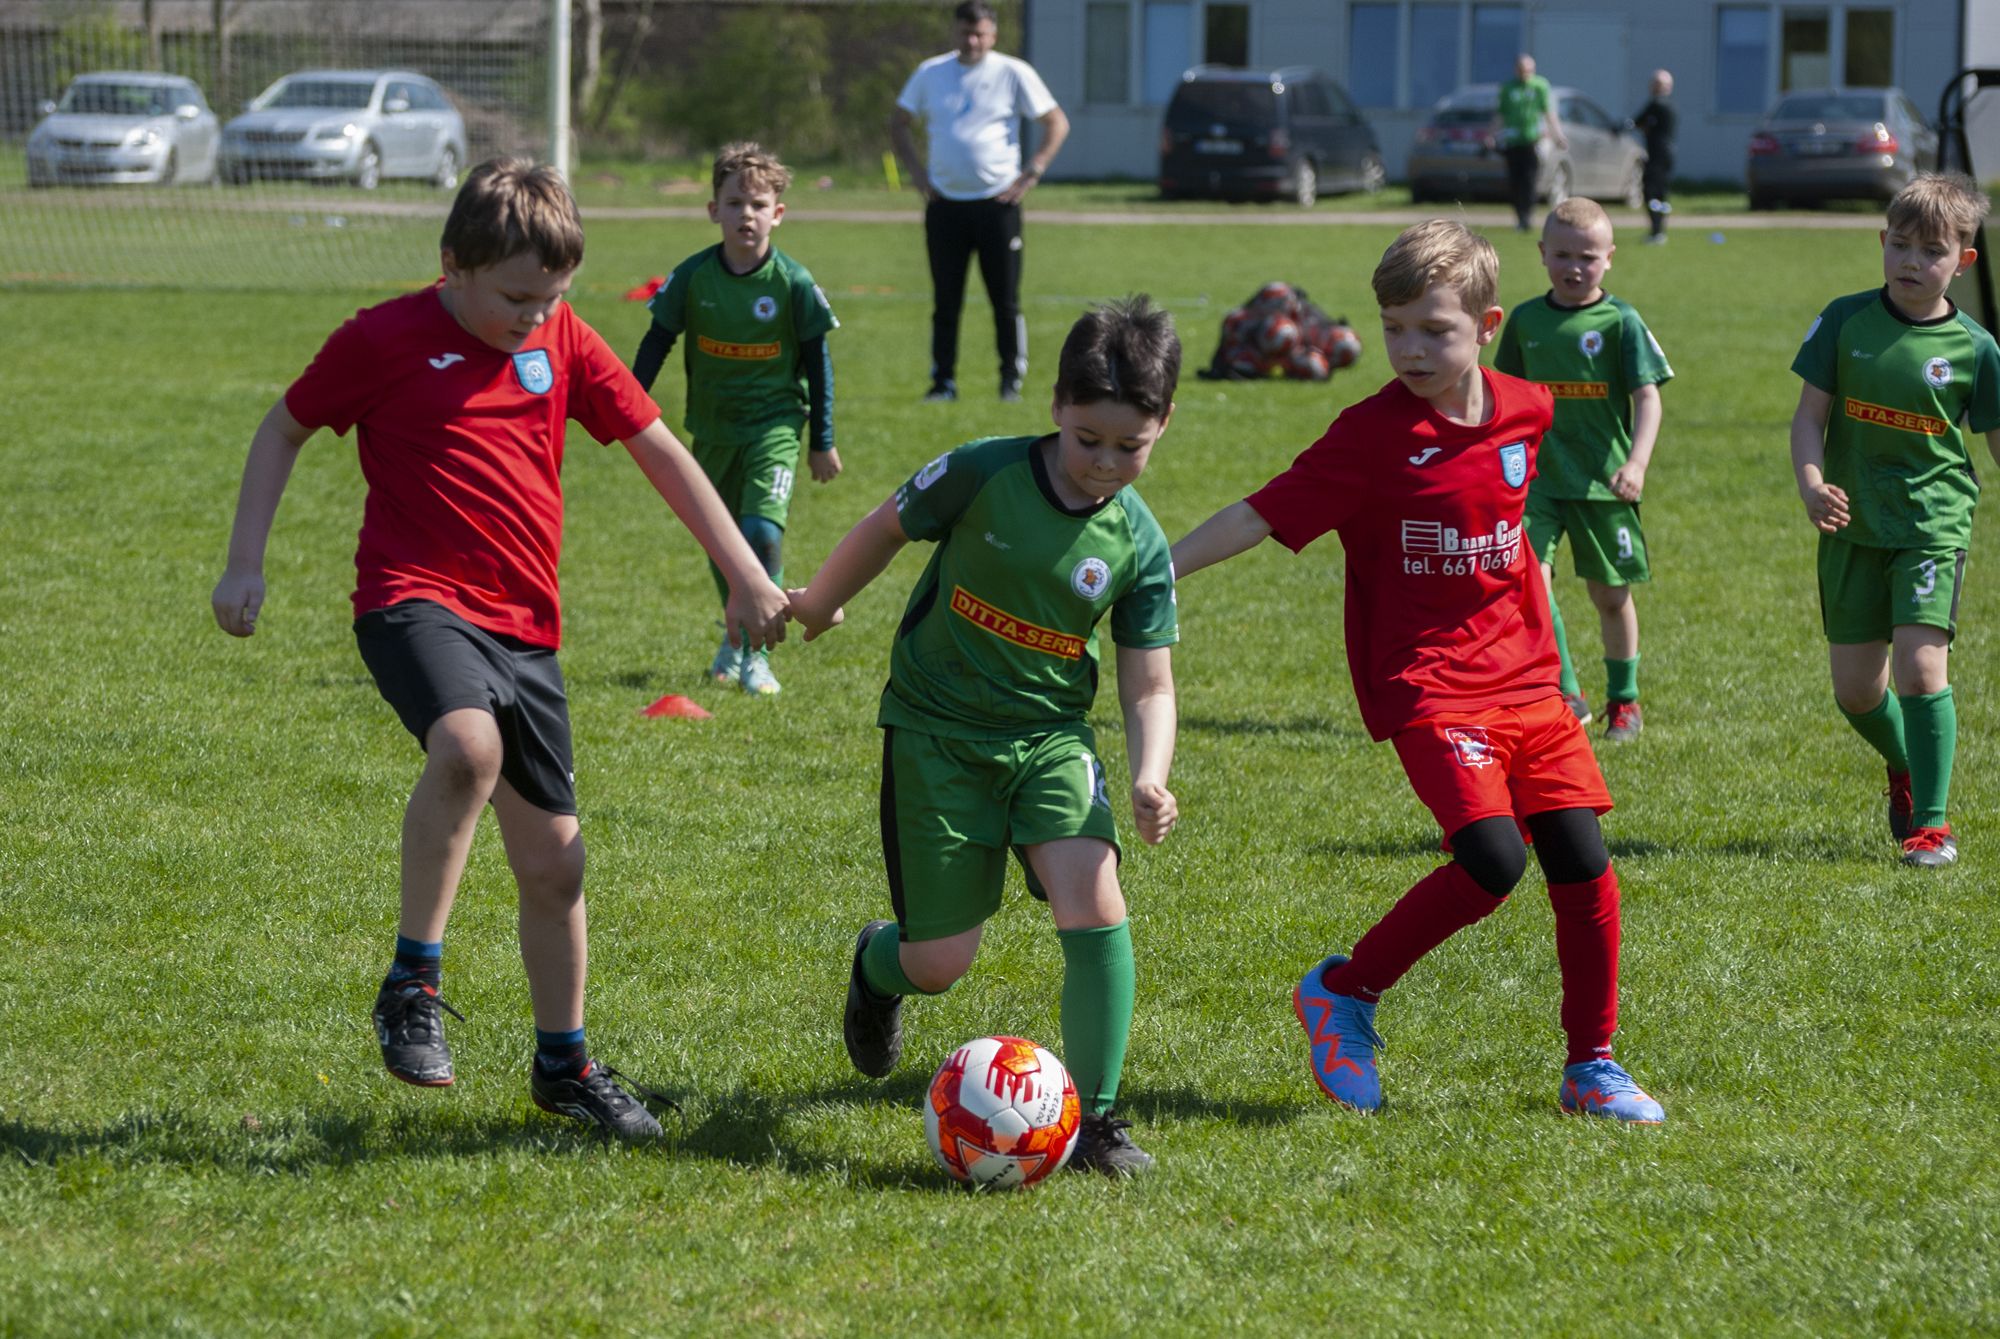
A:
(1107, 53)
(1372, 56)
(1433, 52)
(1226, 34)
(1742, 58)
(1805, 50)
(1871, 48)
(1169, 43)
(1496, 41)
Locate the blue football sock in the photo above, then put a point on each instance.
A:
(560, 1052)
(418, 960)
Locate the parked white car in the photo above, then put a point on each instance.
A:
(362, 126)
(125, 126)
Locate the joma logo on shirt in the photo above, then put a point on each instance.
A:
(754, 353)
(1007, 628)
(1900, 419)
(1579, 390)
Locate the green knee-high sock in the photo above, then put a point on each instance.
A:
(1930, 731)
(1571, 685)
(1621, 679)
(1097, 996)
(1882, 727)
(882, 965)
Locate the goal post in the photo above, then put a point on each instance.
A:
(260, 143)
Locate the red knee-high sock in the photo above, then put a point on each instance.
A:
(1441, 904)
(1587, 950)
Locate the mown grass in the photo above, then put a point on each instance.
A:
(197, 892)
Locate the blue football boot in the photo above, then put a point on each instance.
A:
(1341, 1032)
(1603, 1088)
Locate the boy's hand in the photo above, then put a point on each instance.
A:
(1629, 481)
(1154, 811)
(810, 617)
(1826, 506)
(825, 464)
(755, 616)
(238, 599)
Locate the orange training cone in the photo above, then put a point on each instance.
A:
(673, 704)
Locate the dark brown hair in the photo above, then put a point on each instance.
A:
(508, 206)
(1125, 351)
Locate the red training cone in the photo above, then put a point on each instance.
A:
(673, 704)
(644, 292)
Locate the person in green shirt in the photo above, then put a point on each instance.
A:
(758, 372)
(1894, 379)
(987, 745)
(1605, 369)
(1526, 113)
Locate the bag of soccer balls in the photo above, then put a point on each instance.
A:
(1001, 1113)
(1283, 332)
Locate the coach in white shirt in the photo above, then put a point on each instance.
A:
(971, 102)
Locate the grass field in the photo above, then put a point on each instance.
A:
(197, 892)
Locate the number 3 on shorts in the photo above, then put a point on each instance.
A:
(1093, 777)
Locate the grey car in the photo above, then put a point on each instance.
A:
(125, 126)
(361, 126)
(1840, 143)
(1454, 156)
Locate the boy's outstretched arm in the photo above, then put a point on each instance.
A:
(1629, 479)
(239, 596)
(1224, 535)
(755, 611)
(1146, 693)
(1826, 506)
(862, 554)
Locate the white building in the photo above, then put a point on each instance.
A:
(1113, 63)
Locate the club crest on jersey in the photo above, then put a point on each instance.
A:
(1470, 744)
(1514, 463)
(1938, 372)
(534, 371)
(1592, 343)
(764, 308)
(1089, 578)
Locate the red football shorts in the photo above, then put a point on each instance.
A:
(1517, 761)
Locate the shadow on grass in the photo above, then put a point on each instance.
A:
(1780, 846)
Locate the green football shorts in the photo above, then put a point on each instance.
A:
(754, 477)
(1607, 545)
(1866, 593)
(951, 808)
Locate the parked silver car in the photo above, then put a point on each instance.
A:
(1454, 156)
(361, 126)
(1847, 143)
(124, 126)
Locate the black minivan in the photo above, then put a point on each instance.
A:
(1287, 133)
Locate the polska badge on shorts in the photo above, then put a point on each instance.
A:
(1471, 745)
(534, 371)
(1514, 463)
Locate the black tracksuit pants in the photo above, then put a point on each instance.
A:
(954, 231)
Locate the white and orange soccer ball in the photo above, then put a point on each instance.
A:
(1343, 346)
(1001, 1113)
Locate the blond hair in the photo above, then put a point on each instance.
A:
(1939, 206)
(1438, 251)
(1580, 214)
(508, 206)
(758, 165)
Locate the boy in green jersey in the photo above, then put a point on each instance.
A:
(1894, 377)
(1605, 370)
(986, 744)
(759, 375)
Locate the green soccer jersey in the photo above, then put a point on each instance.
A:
(1000, 637)
(1903, 393)
(1591, 359)
(1524, 106)
(744, 336)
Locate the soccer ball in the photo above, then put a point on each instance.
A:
(1306, 363)
(1001, 1113)
(1343, 346)
(1277, 336)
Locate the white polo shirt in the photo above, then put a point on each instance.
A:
(972, 115)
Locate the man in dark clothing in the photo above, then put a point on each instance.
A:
(1656, 122)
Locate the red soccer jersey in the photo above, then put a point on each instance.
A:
(462, 448)
(1445, 611)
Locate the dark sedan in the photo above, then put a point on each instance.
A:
(1838, 144)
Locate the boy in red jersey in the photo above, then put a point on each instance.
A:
(461, 393)
(1453, 659)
